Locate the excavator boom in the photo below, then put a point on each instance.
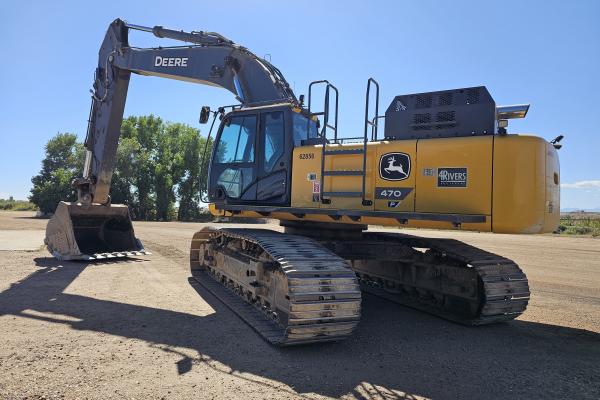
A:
(86, 229)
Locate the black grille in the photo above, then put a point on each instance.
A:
(445, 116)
(422, 118)
(423, 101)
(473, 96)
(422, 128)
(421, 122)
(445, 99)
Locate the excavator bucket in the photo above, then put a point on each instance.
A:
(91, 232)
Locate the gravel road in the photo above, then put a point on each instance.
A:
(141, 330)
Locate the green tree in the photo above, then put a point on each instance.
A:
(157, 166)
(188, 189)
(63, 162)
(145, 131)
(125, 174)
(169, 168)
(165, 168)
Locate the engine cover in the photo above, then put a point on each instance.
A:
(447, 113)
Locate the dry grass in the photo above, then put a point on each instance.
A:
(17, 205)
(580, 223)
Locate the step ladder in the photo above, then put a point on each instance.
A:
(325, 195)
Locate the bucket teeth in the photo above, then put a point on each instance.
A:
(123, 254)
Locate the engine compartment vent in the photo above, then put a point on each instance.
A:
(447, 113)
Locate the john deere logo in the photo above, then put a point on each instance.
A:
(394, 166)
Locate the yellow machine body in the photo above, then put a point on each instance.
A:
(512, 180)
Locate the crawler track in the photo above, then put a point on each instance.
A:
(289, 288)
(444, 277)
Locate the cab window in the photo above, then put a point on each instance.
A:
(274, 142)
(304, 128)
(236, 147)
(235, 180)
(236, 144)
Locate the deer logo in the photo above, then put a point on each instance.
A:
(394, 166)
(391, 167)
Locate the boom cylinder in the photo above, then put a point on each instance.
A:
(199, 37)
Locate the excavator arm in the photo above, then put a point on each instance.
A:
(92, 228)
(209, 59)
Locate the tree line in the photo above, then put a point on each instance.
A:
(158, 171)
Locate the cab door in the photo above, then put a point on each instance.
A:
(233, 166)
(275, 150)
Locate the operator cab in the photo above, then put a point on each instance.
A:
(251, 159)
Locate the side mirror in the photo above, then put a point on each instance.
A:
(204, 114)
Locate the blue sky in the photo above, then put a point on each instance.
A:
(546, 53)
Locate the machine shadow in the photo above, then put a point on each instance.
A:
(395, 353)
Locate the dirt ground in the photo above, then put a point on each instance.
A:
(140, 330)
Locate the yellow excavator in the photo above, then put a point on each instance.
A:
(444, 161)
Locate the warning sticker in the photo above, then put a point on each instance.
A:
(316, 187)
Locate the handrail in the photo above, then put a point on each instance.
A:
(367, 120)
(326, 108)
(205, 197)
(373, 124)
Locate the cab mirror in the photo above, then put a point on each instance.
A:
(204, 114)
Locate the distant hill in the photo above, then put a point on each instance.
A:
(566, 210)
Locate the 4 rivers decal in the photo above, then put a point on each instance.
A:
(452, 177)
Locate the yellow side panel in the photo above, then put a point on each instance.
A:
(306, 170)
(349, 162)
(465, 167)
(520, 184)
(396, 195)
(306, 173)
